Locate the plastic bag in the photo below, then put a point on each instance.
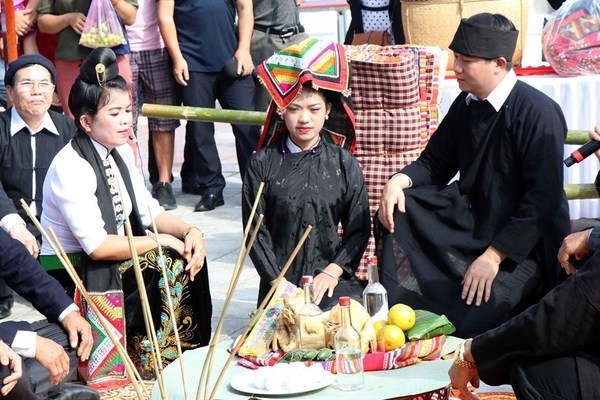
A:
(571, 39)
(429, 325)
(102, 26)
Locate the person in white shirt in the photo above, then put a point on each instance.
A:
(30, 137)
(91, 189)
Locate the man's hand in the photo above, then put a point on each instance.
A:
(244, 59)
(325, 283)
(460, 377)
(575, 244)
(22, 234)
(392, 194)
(478, 280)
(80, 334)
(180, 71)
(76, 21)
(10, 359)
(595, 135)
(53, 357)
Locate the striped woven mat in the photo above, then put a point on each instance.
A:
(125, 392)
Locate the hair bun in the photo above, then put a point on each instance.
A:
(99, 67)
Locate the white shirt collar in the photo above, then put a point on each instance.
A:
(293, 148)
(102, 151)
(500, 93)
(17, 124)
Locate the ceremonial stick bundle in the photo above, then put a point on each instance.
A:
(260, 310)
(155, 348)
(239, 262)
(163, 268)
(66, 262)
(236, 276)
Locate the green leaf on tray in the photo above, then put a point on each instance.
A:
(428, 325)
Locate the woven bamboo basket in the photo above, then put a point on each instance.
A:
(434, 22)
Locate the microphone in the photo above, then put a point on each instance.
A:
(582, 153)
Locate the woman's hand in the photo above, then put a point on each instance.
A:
(595, 135)
(194, 251)
(326, 281)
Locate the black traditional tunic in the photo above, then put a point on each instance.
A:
(16, 169)
(320, 187)
(565, 323)
(510, 196)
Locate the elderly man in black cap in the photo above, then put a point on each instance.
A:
(30, 137)
(479, 248)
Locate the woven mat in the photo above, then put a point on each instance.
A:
(124, 393)
(491, 396)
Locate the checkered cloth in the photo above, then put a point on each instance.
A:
(395, 93)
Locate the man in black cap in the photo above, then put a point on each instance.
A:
(30, 137)
(480, 248)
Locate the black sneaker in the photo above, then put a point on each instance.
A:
(163, 192)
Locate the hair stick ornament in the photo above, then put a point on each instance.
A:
(60, 253)
(101, 74)
(260, 309)
(163, 268)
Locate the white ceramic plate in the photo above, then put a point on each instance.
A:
(244, 382)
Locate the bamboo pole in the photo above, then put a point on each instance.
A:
(169, 303)
(204, 114)
(154, 347)
(232, 285)
(66, 262)
(234, 282)
(576, 191)
(10, 32)
(260, 309)
(577, 137)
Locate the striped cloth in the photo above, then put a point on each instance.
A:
(324, 65)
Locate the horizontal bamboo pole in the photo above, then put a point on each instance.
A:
(578, 137)
(258, 118)
(204, 114)
(576, 191)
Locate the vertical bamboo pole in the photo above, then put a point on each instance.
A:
(146, 311)
(163, 268)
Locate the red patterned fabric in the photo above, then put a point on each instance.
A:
(396, 95)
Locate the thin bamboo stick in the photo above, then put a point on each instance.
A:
(146, 311)
(170, 302)
(232, 284)
(66, 262)
(260, 309)
(236, 277)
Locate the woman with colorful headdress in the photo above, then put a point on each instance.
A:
(91, 189)
(310, 176)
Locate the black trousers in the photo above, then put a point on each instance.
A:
(201, 164)
(35, 382)
(546, 379)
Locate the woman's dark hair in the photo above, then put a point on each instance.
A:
(98, 76)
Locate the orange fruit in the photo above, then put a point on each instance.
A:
(379, 325)
(393, 337)
(402, 316)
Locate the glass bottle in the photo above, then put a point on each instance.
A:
(348, 352)
(310, 317)
(375, 297)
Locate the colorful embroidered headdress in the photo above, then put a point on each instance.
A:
(323, 64)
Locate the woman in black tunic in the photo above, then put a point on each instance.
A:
(309, 181)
